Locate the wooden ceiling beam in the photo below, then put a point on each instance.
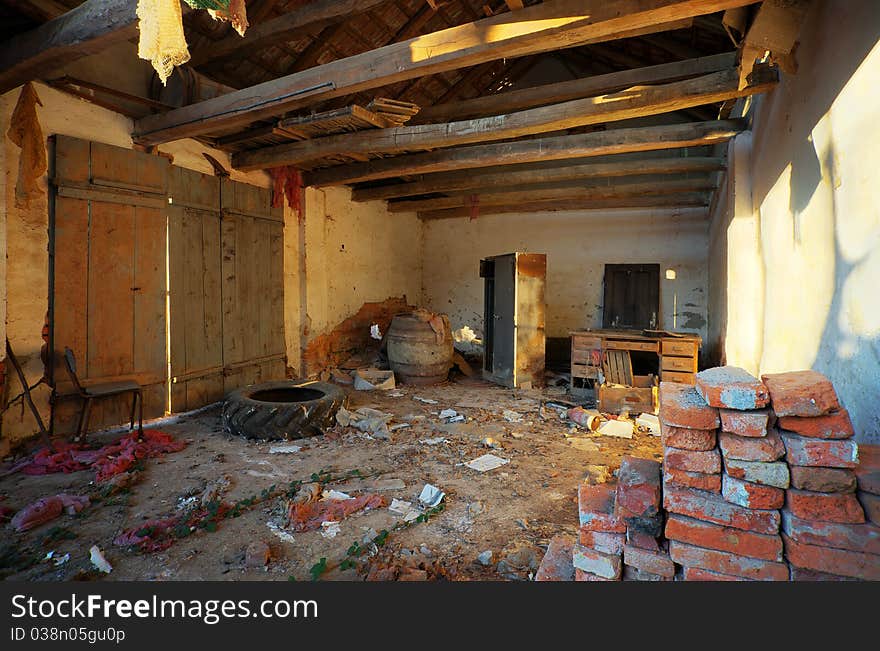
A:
(512, 195)
(312, 15)
(549, 26)
(683, 202)
(775, 28)
(88, 29)
(599, 143)
(577, 88)
(468, 180)
(631, 103)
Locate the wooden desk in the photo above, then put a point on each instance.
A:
(677, 355)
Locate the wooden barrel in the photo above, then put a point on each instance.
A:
(416, 353)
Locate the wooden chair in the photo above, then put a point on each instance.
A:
(104, 390)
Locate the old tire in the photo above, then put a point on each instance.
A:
(282, 410)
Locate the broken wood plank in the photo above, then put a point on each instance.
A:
(285, 27)
(88, 29)
(468, 180)
(614, 141)
(549, 26)
(774, 29)
(513, 195)
(574, 89)
(631, 103)
(683, 202)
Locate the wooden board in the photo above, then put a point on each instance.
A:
(109, 281)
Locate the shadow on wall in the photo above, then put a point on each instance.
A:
(816, 199)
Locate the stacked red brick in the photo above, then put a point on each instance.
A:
(598, 554)
(723, 525)
(824, 525)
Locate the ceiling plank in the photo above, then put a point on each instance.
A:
(462, 181)
(88, 29)
(549, 26)
(674, 200)
(512, 195)
(775, 28)
(568, 90)
(627, 104)
(615, 141)
(282, 28)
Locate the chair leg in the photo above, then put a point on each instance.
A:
(134, 399)
(140, 412)
(84, 420)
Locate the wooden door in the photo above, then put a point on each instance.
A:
(252, 286)
(504, 313)
(108, 296)
(531, 275)
(632, 296)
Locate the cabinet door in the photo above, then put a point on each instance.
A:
(530, 314)
(503, 309)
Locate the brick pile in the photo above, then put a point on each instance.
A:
(761, 480)
(824, 524)
(723, 498)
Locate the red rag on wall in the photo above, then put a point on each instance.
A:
(287, 182)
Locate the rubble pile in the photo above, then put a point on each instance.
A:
(761, 480)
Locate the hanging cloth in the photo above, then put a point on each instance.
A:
(25, 132)
(162, 41)
(236, 14)
(287, 183)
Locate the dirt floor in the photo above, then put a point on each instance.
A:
(511, 511)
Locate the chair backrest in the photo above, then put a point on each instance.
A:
(70, 363)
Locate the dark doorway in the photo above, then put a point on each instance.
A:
(632, 296)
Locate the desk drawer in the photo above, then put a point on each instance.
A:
(686, 364)
(680, 348)
(585, 342)
(584, 371)
(675, 376)
(582, 356)
(649, 346)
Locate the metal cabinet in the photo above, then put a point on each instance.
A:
(513, 318)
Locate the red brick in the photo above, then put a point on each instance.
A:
(767, 448)
(727, 563)
(642, 540)
(858, 565)
(638, 494)
(772, 473)
(803, 574)
(713, 508)
(647, 561)
(607, 566)
(685, 438)
(855, 537)
(699, 574)
(823, 480)
(871, 505)
(835, 425)
(706, 461)
(635, 574)
(682, 406)
(596, 509)
(731, 387)
(868, 471)
(726, 539)
(751, 495)
(825, 507)
(556, 564)
(801, 393)
(745, 423)
(698, 480)
(804, 451)
(580, 575)
(609, 543)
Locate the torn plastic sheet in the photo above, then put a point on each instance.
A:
(431, 496)
(486, 463)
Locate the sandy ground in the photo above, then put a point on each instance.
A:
(513, 510)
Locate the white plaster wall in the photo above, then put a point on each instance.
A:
(355, 253)
(578, 244)
(803, 254)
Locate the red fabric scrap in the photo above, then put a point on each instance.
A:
(47, 509)
(309, 516)
(287, 183)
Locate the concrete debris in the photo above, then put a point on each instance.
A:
(437, 440)
(329, 529)
(464, 335)
(335, 495)
(281, 533)
(285, 448)
(485, 557)
(375, 333)
(373, 379)
(486, 463)
(648, 423)
(404, 509)
(427, 401)
(511, 416)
